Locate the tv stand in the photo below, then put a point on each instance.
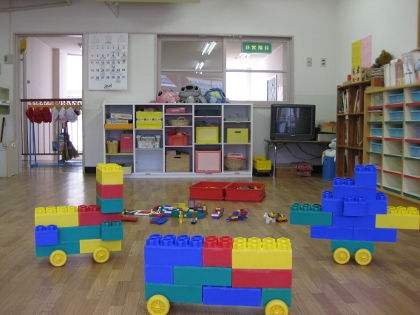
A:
(276, 145)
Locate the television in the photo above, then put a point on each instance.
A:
(292, 122)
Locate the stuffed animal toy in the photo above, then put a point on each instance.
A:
(191, 93)
(167, 96)
(384, 58)
(215, 95)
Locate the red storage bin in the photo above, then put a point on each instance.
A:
(208, 190)
(245, 192)
(126, 143)
(181, 140)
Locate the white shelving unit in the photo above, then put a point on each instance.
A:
(150, 162)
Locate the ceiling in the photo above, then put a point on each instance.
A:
(67, 43)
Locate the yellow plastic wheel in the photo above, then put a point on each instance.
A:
(341, 256)
(158, 305)
(101, 255)
(363, 257)
(58, 258)
(276, 307)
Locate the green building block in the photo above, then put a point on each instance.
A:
(284, 295)
(112, 231)
(192, 275)
(353, 246)
(69, 248)
(77, 233)
(307, 214)
(175, 293)
(115, 205)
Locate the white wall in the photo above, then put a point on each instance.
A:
(320, 28)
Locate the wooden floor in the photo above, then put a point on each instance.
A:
(389, 285)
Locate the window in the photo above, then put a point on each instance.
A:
(254, 69)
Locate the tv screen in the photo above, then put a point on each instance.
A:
(292, 122)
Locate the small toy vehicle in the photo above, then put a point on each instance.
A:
(217, 213)
(238, 215)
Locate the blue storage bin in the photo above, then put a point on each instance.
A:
(416, 96)
(415, 151)
(377, 147)
(328, 168)
(396, 98)
(415, 114)
(396, 115)
(377, 132)
(396, 132)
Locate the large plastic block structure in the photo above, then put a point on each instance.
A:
(212, 276)
(78, 233)
(365, 175)
(375, 235)
(346, 188)
(175, 293)
(92, 215)
(158, 274)
(217, 252)
(331, 204)
(332, 232)
(109, 174)
(60, 216)
(307, 214)
(88, 246)
(68, 247)
(109, 191)
(110, 205)
(399, 218)
(231, 296)
(340, 219)
(171, 250)
(355, 207)
(379, 205)
(267, 253)
(284, 295)
(263, 278)
(112, 231)
(46, 235)
(352, 246)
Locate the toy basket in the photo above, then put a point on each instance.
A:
(181, 121)
(234, 161)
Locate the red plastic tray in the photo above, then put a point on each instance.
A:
(208, 190)
(239, 192)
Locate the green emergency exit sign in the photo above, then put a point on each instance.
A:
(262, 48)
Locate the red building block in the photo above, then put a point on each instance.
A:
(261, 278)
(217, 252)
(92, 215)
(109, 191)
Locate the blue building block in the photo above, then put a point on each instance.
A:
(365, 175)
(226, 296)
(332, 232)
(339, 219)
(328, 168)
(77, 233)
(353, 246)
(306, 214)
(68, 247)
(175, 293)
(379, 205)
(110, 205)
(343, 188)
(284, 295)
(355, 207)
(112, 231)
(375, 235)
(330, 203)
(46, 235)
(172, 250)
(158, 274)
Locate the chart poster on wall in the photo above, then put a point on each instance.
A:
(108, 61)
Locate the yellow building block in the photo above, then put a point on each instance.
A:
(89, 246)
(109, 174)
(399, 218)
(61, 216)
(267, 253)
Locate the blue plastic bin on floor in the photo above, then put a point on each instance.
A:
(328, 168)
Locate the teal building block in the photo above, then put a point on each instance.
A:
(110, 205)
(77, 233)
(175, 293)
(284, 295)
(68, 247)
(353, 246)
(112, 231)
(307, 214)
(193, 275)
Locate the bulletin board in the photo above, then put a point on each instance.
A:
(108, 61)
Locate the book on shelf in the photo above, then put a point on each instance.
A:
(415, 60)
(128, 116)
(408, 69)
(357, 101)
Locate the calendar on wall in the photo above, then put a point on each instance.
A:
(108, 61)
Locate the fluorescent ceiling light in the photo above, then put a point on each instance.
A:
(208, 48)
(199, 65)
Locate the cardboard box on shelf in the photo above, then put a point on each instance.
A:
(360, 74)
(177, 163)
(326, 136)
(286, 170)
(329, 127)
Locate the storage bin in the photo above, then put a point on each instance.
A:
(112, 147)
(148, 115)
(148, 141)
(207, 134)
(180, 140)
(416, 96)
(208, 190)
(396, 115)
(286, 170)
(396, 132)
(245, 192)
(208, 161)
(126, 143)
(377, 99)
(175, 110)
(177, 163)
(415, 114)
(207, 112)
(237, 135)
(415, 151)
(149, 124)
(396, 98)
(260, 163)
(377, 147)
(328, 168)
(376, 132)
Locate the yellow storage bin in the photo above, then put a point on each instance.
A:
(260, 163)
(237, 135)
(207, 134)
(149, 123)
(146, 115)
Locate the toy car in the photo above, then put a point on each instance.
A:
(238, 215)
(217, 213)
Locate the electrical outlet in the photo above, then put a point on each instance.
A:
(309, 62)
(323, 62)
